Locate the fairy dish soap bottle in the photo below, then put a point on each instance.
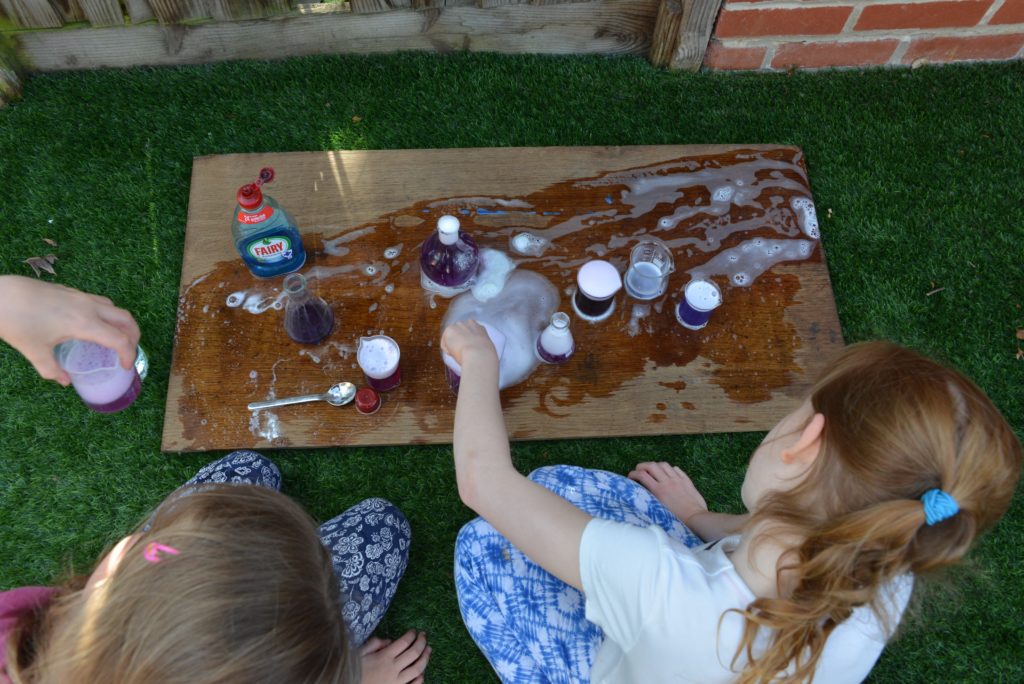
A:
(265, 234)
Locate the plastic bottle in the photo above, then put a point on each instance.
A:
(307, 318)
(449, 259)
(265, 234)
(555, 344)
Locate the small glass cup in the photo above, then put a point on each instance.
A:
(700, 298)
(378, 358)
(650, 264)
(98, 377)
(597, 281)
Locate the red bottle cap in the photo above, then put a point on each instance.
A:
(250, 196)
(367, 400)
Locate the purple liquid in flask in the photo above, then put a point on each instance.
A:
(307, 318)
(555, 344)
(449, 258)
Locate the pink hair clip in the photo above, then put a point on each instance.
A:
(153, 550)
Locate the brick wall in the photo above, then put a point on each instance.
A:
(782, 34)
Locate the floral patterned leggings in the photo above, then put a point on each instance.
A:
(368, 543)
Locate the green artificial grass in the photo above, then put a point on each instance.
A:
(917, 176)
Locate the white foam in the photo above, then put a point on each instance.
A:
(377, 356)
(806, 216)
(529, 244)
(744, 263)
(494, 270)
(235, 299)
(393, 251)
(520, 311)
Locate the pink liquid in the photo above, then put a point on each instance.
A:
(122, 402)
(99, 379)
(385, 384)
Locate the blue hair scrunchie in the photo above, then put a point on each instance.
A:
(938, 506)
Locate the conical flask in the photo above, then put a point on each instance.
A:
(307, 318)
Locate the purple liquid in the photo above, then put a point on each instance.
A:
(554, 358)
(454, 379)
(385, 384)
(690, 317)
(449, 265)
(592, 307)
(122, 402)
(310, 322)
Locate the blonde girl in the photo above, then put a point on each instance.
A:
(229, 581)
(889, 470)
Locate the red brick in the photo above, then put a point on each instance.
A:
(922, 15)
(967, 48)
(810, 21)
(834, 54)
(1010, 13)
(731, 58)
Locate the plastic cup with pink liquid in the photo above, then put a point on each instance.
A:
(98, 377)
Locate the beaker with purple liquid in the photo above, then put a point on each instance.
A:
(98, 377)
(378, 358)
(596, 284)
(700, 298)
(449, 258)
(307, 318)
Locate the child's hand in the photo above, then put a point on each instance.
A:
(36, 316)
(672, 487)
(401, 661)
(468, 339)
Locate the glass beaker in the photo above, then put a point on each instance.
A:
(650, 264)
(97, 375)
(378, 357)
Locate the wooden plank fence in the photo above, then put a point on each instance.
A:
(125, 33)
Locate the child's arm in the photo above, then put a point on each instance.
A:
(544, 526)
(673, 488)
(35, 316)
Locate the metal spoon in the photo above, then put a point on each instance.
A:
(337, 395)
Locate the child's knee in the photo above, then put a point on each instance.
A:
(392, 513)
(544, 473)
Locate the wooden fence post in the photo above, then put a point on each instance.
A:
(682, 30)
(10, 71)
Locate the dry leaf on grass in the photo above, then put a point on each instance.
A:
(1020, 334)
(356, 118)
(40, 264)
(50, 242)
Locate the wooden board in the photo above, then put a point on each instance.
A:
(599, 27)
(637, 373)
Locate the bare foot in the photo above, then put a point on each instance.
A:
(401, 661)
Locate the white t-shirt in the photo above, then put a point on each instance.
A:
(659, 604)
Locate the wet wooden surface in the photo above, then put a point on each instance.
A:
(633, 374)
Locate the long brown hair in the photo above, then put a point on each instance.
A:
(250, 596)
(896, 426)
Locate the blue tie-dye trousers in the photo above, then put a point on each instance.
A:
(529, 624)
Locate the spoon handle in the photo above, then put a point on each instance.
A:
(272, 403)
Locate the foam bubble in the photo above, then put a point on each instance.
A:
(529, 244)
(389, 288)
(495, 267)
(740, 278)
(394, 251)
(235, 299)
